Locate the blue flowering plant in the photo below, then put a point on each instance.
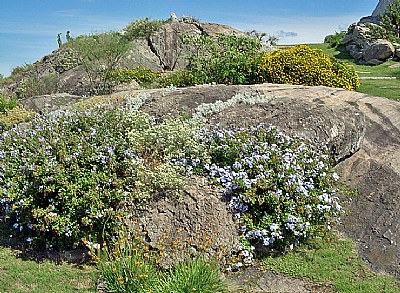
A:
(281, 190)
(68, 177)
(63, 178)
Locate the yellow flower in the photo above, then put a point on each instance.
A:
(120, 279)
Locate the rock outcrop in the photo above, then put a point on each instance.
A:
(363, 46)
(381, 7)
(49, 103)
(162, 50)
(365, 49)
(361, 131)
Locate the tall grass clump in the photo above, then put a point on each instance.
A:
(130, 265)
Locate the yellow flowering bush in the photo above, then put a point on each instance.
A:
(305, 66)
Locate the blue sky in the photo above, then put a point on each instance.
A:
(29, 28)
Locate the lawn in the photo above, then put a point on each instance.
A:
(332, 261)
(23, 275)
(388, 87)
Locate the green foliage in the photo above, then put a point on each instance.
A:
(179, 78)
(65, 178)
(129, 265)
(390, 20)
(333, 261)
(99, 55)
(14, 116)
(143, 28)
(20, 71)
(140, 74)
(334, 40)
(376, 31)
(7, 103)
(281, 189)
(198, 275)
(306, 66)
(34, 85)
(229, 59)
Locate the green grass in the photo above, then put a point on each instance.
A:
(332, 261)
(19, 275)
(382, 87)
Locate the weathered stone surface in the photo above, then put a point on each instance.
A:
(167, 45)
(338, 127)
(253, 280)
(362, 131)
(48, 103)
(193, 221)
(378, 49)
(363, 48)
(381, 7)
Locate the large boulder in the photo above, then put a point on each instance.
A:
(48, 103)
(361, 131)
(362, 47)
(195, 221)
(378, 49)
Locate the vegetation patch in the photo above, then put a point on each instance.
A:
(18, 275)
(331, 260)
(306, 66)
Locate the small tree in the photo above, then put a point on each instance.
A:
(390, 19)
(99, 55)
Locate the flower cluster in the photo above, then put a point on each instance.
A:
(280, 189)
(306, 66)
(65, 178)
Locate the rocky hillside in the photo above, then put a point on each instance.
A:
(160, 49)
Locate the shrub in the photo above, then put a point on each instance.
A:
(140, 74)
(142, 28)
(197, 275)
(390, 21)
(179, 78)
(35, 85)
(281, 190)
(99, 55)
(334, 40)
(129, 265)
(7, 103)
(229, 59)
(64, 179)
(14, 116)
(305, 66)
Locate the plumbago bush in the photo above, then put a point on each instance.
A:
(64, 179)
(281, 189)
